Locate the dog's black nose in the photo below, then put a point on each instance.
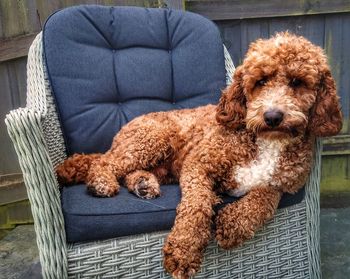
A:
(273, 118)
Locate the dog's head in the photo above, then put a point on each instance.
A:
(283, 88)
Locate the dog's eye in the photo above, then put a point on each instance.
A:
(261, 82)
(295, 82)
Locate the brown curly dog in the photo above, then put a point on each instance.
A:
(257, 142)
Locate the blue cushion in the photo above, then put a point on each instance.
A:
(90, 218)
(108, 65)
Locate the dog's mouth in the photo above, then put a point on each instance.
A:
(287, 128)
(281, 131)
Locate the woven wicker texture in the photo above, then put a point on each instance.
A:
(278, 251)
(230, 68)
(288, 246)
(39, 146)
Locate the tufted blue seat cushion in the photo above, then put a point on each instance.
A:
(91, 218)
(106, 66)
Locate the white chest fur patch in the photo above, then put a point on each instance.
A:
(259, 171)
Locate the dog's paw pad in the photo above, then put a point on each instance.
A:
(146, 188)
(103, 190)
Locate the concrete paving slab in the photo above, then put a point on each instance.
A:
(335, 243)
(19, 257)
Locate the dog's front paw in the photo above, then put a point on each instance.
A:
(231, 229)
(100, 187)
(181, 262)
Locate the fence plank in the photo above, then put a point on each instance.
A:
(335, 32)
(175, 4)
(311, 27)
(12, 188)
(15, 47)
(345, 82)
(18, 18)
(8, 158)
(46, 8)
(12, 18)
(251, 30)
(237, 9)
(18, 78)
(231, 36)
(282, 24)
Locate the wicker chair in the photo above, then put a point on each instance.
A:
(287, 247)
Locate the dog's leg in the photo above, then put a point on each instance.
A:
(138, 146)
(75, 168)
(101, 180)
(143, 183)
(238, 221)
(184, 247)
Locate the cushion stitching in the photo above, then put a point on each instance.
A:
(139, 98)
(113, 59)
(166, 14)
(113, 51)
(114, 31)
(201, 94)
(141, 46)
(97, 29)
(115, 76)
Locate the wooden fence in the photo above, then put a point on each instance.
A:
(326, 23)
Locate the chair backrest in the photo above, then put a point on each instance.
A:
(107, 65)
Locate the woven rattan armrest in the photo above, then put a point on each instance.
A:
(25, 129)
(39, 145)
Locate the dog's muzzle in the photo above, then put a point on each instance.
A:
(273, 118)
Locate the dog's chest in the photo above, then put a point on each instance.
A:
(259, 171)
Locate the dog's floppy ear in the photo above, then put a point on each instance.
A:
(326, 117)
(231, 110)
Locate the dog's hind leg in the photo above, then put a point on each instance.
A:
(143, 183)
(139, 146)
(75, 168)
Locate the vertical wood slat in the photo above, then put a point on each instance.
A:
(282, 24)
(336, 46)
(46, 8)
(251, 30)
(18, 18)
(311, 28)
(8, 159)
(231, 36)
(345, 82)
(175, 4)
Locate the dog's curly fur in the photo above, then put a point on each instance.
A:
(225, 148)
